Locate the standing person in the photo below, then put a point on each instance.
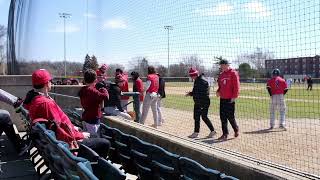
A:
(277, 88)
(6, 124)
(91, 100)
(102, 73)
(309, 82)
(161, 94)
(137, 87)
(122, 80)
(150, 99)
(228, 91)
(112, 106)
(43, 108)
(200, 94)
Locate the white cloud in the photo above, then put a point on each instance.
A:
(220, 9)
(89, 15)
(115, 24)
(256, 9)
(71, 28)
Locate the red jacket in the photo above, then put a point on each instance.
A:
(46, 108)
(91, 100)
(122, 82)
(154, 86)
(229, 84)
(138, 87)
(277, 85)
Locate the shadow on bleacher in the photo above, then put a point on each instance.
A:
(137, 157)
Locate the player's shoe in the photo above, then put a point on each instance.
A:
(194, 135)
(211, 134)
(282, 127)
(236, 133)
(224, 137)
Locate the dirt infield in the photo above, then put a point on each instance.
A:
(297, 147)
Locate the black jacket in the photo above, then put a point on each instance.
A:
(114, 97)
(200, 91)
(161, 90)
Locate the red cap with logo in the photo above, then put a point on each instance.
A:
(193, 72)
(40, 77)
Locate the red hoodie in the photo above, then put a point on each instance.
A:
(91, 99)
(229, 84)
(46, 108)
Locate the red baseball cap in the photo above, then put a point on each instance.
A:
(193, 72)
(40, 77)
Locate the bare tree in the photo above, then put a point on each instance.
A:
(162, 70)
(256, 59)
(112, 69)
(140, 65)
(193, 61)
(179, 70)
(56, 68)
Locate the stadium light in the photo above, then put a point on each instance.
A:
(64, 16)
(168, 28)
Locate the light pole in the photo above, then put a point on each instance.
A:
(64, 16)
(168, 28)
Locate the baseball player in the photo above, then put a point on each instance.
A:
(277, 88)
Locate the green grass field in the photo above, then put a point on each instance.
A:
(254, 102)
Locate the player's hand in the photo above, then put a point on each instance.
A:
(217, 94)
(232, 100)
(187, 93)
(86, 135)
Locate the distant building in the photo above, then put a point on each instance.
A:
(295, 68)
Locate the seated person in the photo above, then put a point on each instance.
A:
(112, 106)
(42, 106)
(6, 124)
(91, 101)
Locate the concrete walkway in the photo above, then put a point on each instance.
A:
(12, 166)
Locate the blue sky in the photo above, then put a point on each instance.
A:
(122, 30)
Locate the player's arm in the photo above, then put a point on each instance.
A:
(285, 88)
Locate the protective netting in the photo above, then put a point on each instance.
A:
(181, 34)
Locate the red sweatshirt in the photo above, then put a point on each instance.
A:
(229, 84)
(138, 87)
(46, 108)
(91, 100)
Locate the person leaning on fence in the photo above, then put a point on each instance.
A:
(228, 91)
(42, 108)
(200, 94)
(162, 95)
(137, 87)
(112, 106)
(277, 88)
(151, 97)
(6, 124)
(91, 100)
(122, 80)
